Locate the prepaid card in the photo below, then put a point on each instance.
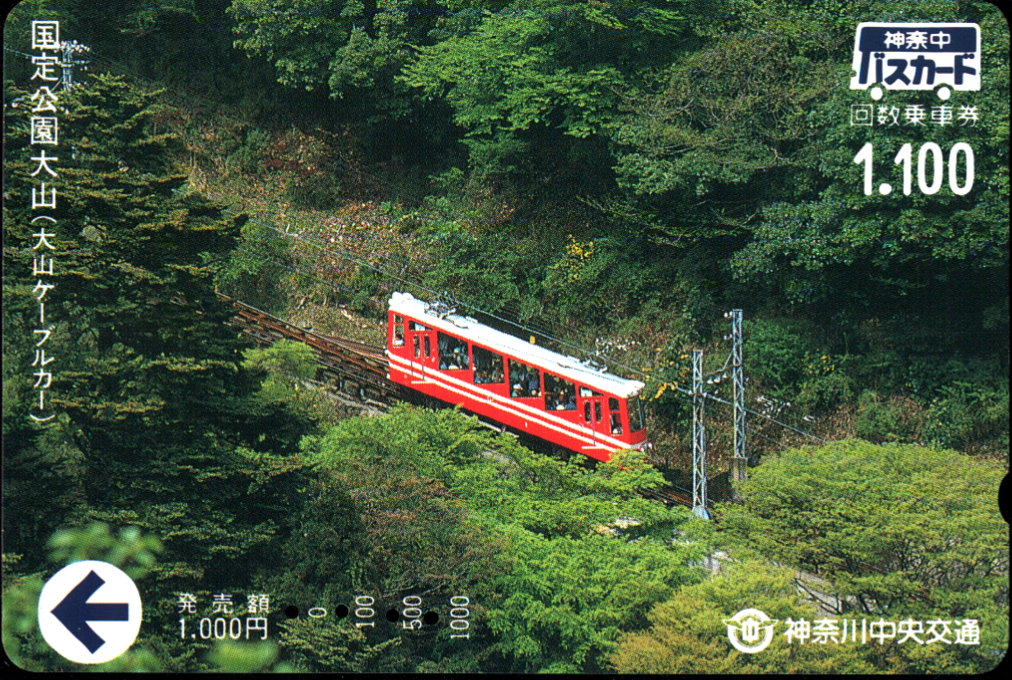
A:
(631, 336)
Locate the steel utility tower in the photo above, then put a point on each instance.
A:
(699, 483)
(739, 463)
(70, 49)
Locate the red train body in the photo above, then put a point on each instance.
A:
(529, 388)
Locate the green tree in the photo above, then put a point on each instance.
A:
(136, 554)
(346, 48)
(256, 268)
(286, 366)
(130, 550)
(449, 508)
(895, 529)
(565, 601)
(688, 634)
(745, 144)
(155, 428)
(325, 646)
(542, 65)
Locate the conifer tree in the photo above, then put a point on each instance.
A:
(155, 427)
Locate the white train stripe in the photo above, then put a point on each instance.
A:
(507, 404)
(471, 331)
(509, 408)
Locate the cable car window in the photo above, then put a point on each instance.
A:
(452, 353)
(586, 411)
(597, 411)
(560, 394)
(525, 381)
(635, 414)
(398, 330)
(428, 347)
(585, 391)
(414, 341)
(487, 367)
(616, 424)
(415, 326)
(616, 416)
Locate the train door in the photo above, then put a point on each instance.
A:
(600, 413)
(593, 411)
(423, 345)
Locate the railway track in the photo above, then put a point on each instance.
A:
(670, 495)
(356, 369)
(359, 371)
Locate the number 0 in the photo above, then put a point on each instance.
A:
(964, 189)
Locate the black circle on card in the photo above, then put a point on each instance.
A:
(1005, 498)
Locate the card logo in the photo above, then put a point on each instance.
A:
(916, 56)
(750, 630)
(90, 612)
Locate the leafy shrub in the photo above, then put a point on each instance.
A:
(316, 190)
(965, 413)
(823, 391)
(775, 354)
(887, 419)
(256, 267)
(249, 153)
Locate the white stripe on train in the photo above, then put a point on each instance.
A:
(417, 370)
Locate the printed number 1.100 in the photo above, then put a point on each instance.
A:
(930, 168)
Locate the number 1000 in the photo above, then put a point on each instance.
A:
(930, 168)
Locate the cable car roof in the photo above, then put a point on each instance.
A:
(560, 364)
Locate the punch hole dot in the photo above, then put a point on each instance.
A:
(341, 611)
(944, 93)
(431, 618)
(392, 616)
(876, 93)
(291, 611)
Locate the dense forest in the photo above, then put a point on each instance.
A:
(613, 175)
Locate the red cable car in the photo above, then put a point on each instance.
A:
(529, 388)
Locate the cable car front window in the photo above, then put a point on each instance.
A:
(616, 416)
(635, 414)
(398, 330)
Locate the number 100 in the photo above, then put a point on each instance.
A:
(930, 168)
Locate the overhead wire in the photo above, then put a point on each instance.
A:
(313, 243)
(673, 386)
(18, 52)
(548, 336)
(527, 327)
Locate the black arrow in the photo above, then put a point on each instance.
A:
(74, 612)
